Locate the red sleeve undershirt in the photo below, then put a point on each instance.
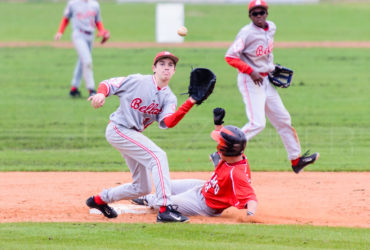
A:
(239, 64)
(103, 89)
(173, 119)
(170, 120)
(100, 26)
(63, 25)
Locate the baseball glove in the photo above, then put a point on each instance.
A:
(105, 36)
(281, 76)
(202, 83)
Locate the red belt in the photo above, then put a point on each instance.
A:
(264, 74)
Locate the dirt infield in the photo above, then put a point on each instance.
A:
(110, 44)
(310, 198)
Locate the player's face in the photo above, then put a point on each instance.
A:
(258, 17)
(164, 69)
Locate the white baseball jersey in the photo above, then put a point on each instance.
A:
(141, 101)
(254, 46)
(84, 14)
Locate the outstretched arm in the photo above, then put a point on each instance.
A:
(98, 100)
(173, 119)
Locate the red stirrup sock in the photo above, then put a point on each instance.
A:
(98, 200)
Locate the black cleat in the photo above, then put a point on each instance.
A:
(105, 209)
(75, 93)
(171, 215)
(305, 160)
(92, 92)
(215, 158)
(142, 201)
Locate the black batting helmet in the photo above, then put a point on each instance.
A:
(231, 140)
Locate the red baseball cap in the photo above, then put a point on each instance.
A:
(165, 54)
(257, 3)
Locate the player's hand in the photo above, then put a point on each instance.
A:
(257, 78)
(192, 100)
(97, 100)
(58, 36)
(251, 208)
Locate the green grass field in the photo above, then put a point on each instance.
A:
(42, 129)
(35, 21)
(177, 236)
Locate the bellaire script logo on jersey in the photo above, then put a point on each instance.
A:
(87, 14)
(260, 51)
(151, 109)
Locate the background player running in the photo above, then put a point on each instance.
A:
(85, 15)
(229, 185)
(251, 54)
(143, 100)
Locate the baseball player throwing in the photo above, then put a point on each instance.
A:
(229, 185)
(85, 15)
(143, 100)
(251, 54)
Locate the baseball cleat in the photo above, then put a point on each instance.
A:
(305, 160)
(106, 210)
(92, 92)
(142, 201)
(171, 215)
(75, 93)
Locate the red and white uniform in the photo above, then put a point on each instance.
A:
(252, 51)
(230, 185)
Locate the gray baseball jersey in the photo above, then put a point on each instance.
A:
(248, 47)
(141, 102)
(84, 14)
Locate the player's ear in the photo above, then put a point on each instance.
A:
(153, 67)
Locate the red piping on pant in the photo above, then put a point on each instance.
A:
(153, 155)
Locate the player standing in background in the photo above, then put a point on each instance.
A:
(85, 15)
(229, 185)
(143, 100)
(251, 54)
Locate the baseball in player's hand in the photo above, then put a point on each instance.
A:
(58, 36)
(97, 100)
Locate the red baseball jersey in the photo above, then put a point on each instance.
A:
(230, 185)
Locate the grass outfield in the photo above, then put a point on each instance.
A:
(177, 236)
(39, 21)
(43, 129)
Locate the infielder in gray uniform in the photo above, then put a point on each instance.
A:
(143, 100)
(251, 53)
(85, 15)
